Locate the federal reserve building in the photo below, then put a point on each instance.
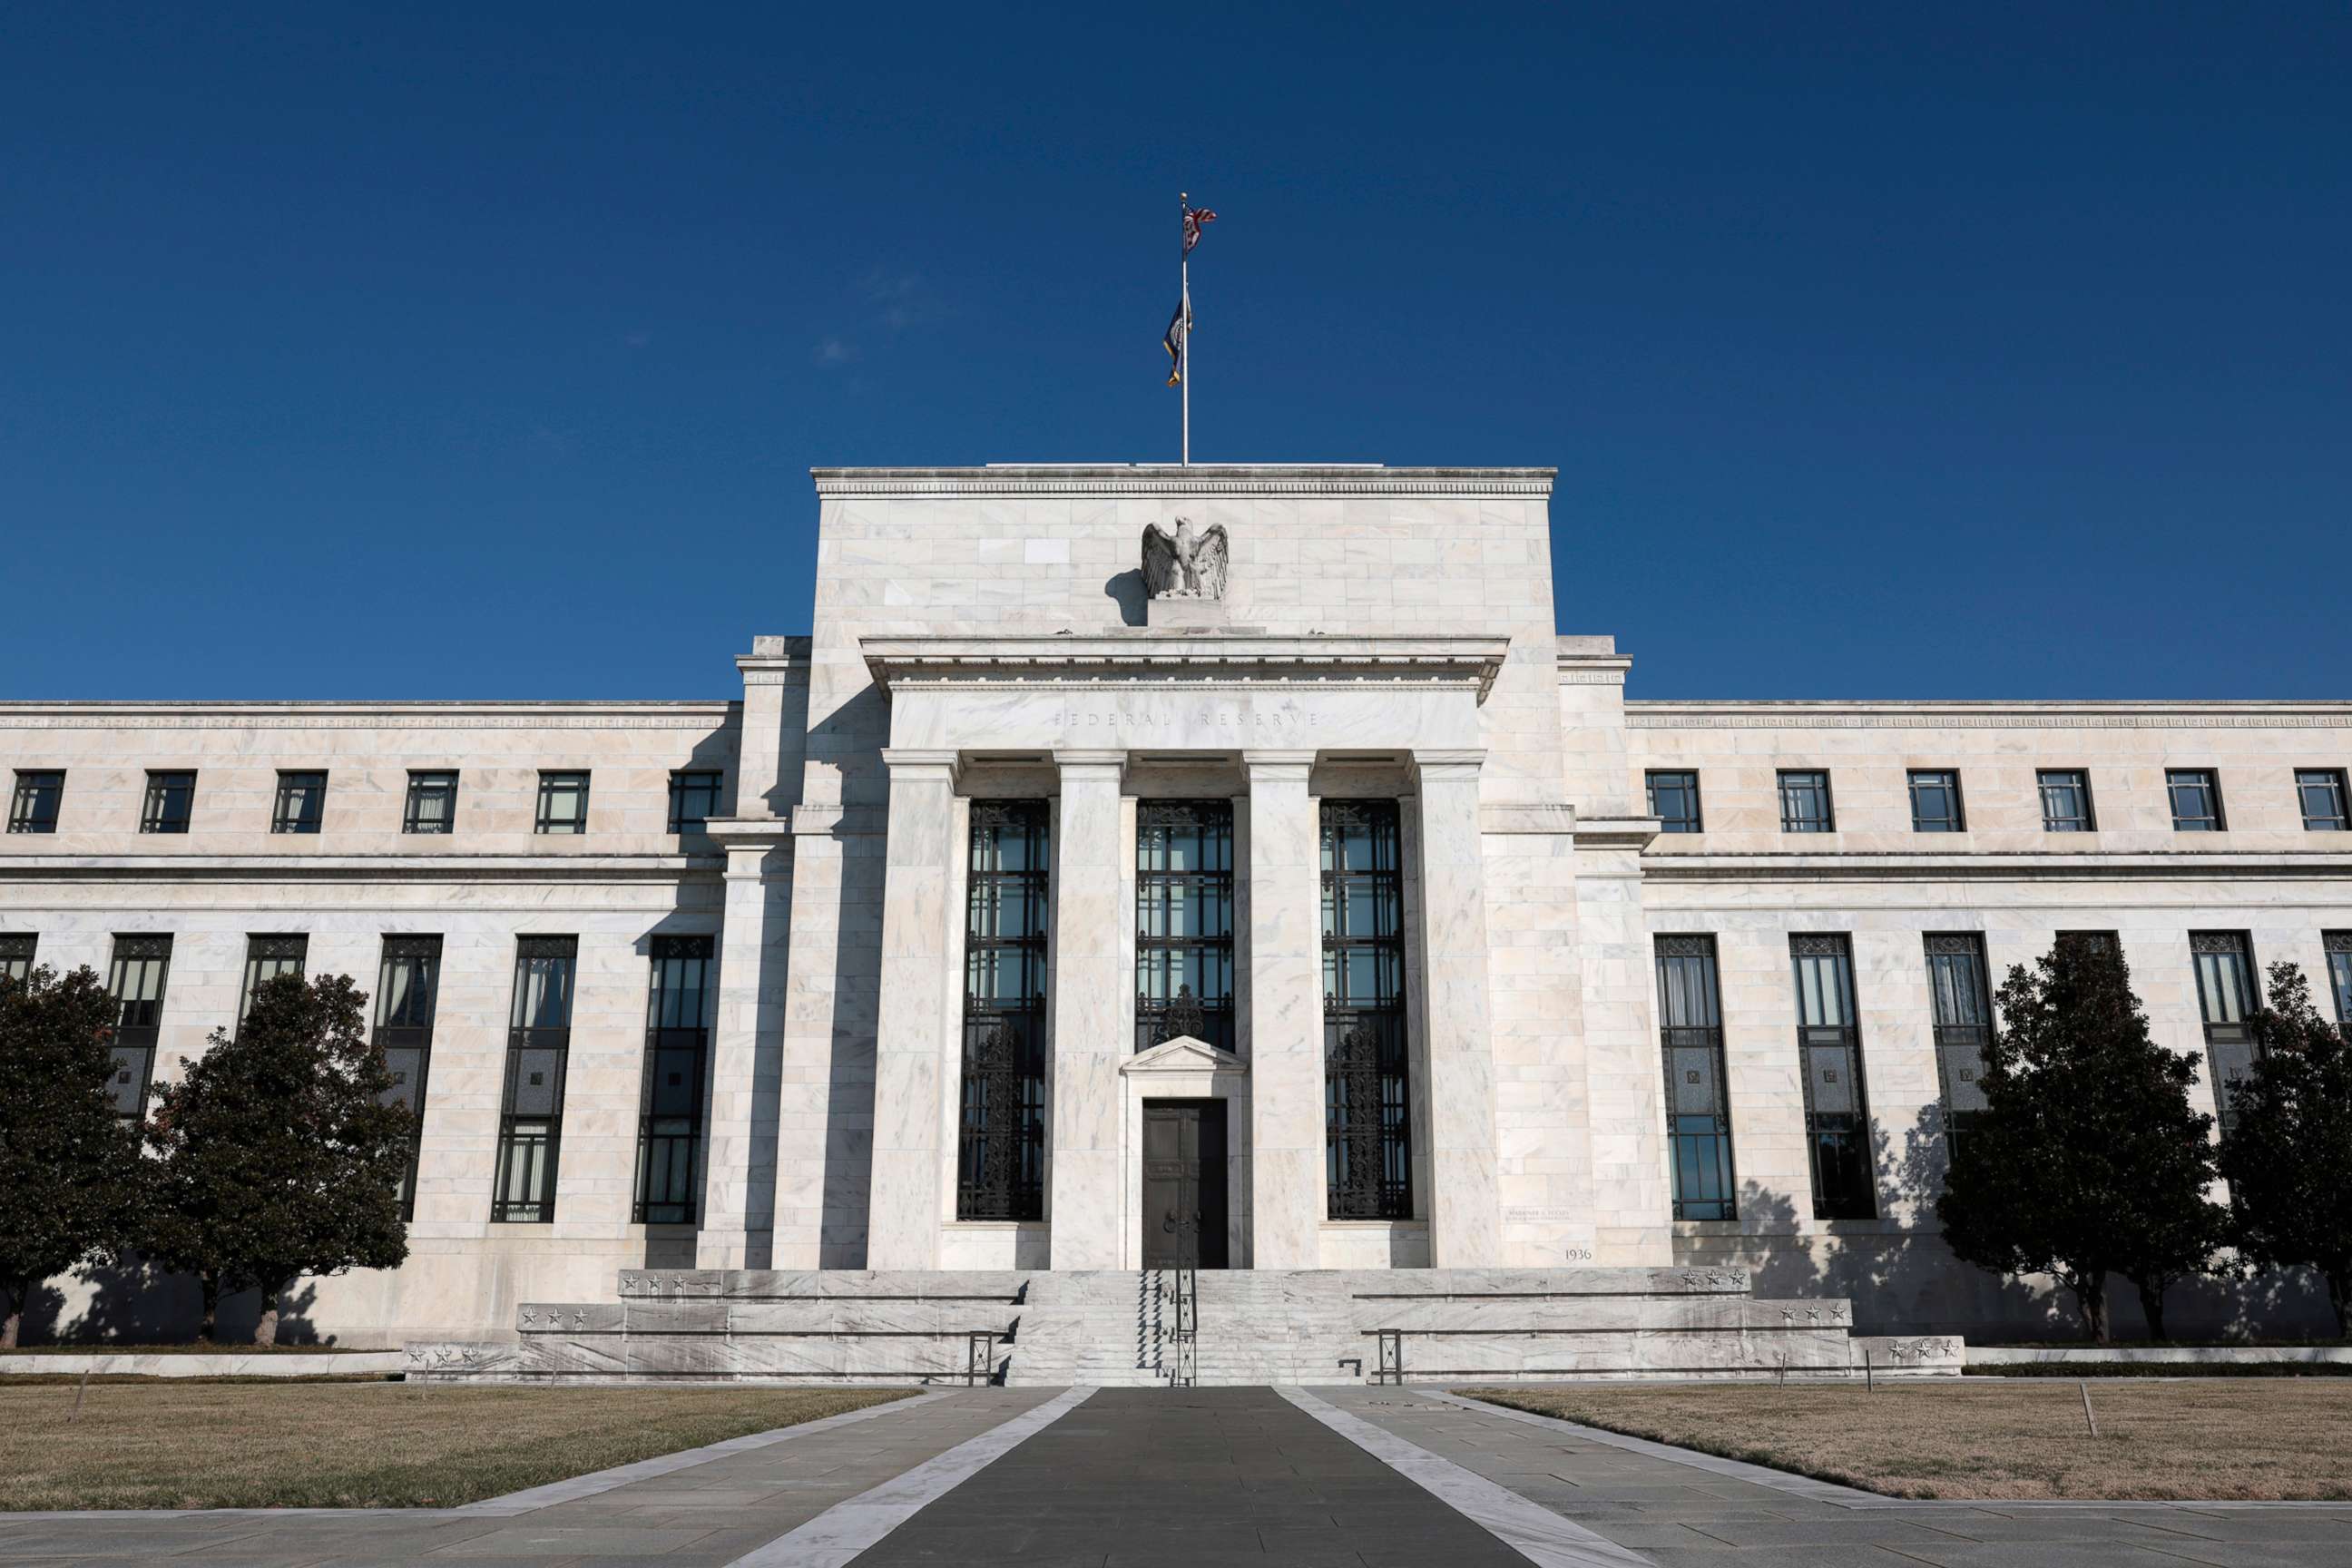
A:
(1177, 923)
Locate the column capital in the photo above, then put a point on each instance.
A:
(905, 762)
(1459, 765)
(1071, 759)
(1278, 763)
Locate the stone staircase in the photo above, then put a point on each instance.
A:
(1102, 1328)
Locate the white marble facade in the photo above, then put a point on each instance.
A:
(984, 633)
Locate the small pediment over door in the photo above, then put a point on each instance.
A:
(1182, 1055)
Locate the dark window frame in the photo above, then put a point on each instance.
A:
(307, 814)
(166, 786)
(1160, 893)
(1837, 1142)
(1960, 993)
(139, 1022)
(404, 1014)
(1956, 820)
(710, 782)
(670, 1095)
(1794, 821)
(1702, 1170)
(19, 950)
(281, 952)
(2336, 945)
(2231, 1048)
(1695, 821)
(1001, 1119)
(2094, 940)
(35, 788)
(424, 783)
(554, 782)
(531, 1141)
(2210, 781)
(1367, 1072)
(2053, 822)
(2332, 782)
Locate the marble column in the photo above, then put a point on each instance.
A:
(1285, 1013)
(739, 1201)
(1465, 1203)
(1092, 984)
(911, 1060)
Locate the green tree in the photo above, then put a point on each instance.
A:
(69, 1167)
(2288, 1155)
(2087, 1158)
(276, 1155)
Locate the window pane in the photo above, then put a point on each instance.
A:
(301, 803)
(1829, 1048)
(1935, 801)
(1673, 800)
(1805, 803)
(2196, 800)
(2339, 973)
(562, 803)
(267, 958)
(2065, 800)
(2321, 794)
(693, 800)
(432, 804)
(34, 806)
(1185, 921)
(171, 798)
(1698, 1114)
(16, 956)
(1001, 1128)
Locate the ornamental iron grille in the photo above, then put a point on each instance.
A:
(1185, 921)
(1936, 801)
(1963, 1011)
(2339, 972)
(267, 958)
(16, 957)
(1837, 1107)
(2321, 794)
(34, 807)
(1674, 801)
(693, 800)
(1805, 802)
(2196, 799)
(563, 803)
(408, 984)
(2089, 942)
(1699, 1109)
(432, 804)
(170, 801)
(1366, 1099)
(302, 803)
(142, 965)
(2226, 998)
(678, 1056)
(2065, 800)
(538, 1046)
(1001, 1130)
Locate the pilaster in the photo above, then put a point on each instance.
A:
(1286, 1012)
(1464, 1209)
(739, 1202)
(1091, 986)
(909, 1051)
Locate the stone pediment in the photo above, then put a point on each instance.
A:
(1182, 1055)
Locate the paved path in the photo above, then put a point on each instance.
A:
(1118, 1477)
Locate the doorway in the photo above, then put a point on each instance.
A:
(1184, 1184)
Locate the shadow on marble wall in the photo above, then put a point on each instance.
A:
(1132, 596)
(1906, 1281)
(133, 1304)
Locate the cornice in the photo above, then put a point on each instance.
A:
(360, 869)
(154, 716)
(1995, 867)
(1144, 658)
(1974, 715)
(1195, 481)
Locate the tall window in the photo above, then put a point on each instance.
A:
(693, 801)
(2065, 800)
(141, 964)
(2339, 973)
(170, 800)
(2196, 799)
(2087, 942)
(408, 986)
(432, 804)
(2226, 995)
(1805, 802)
(1185, 921)
(267, 958)
(301, 803)
(678, 1056)
(1837, 1110)
(1698, 1105)
(34, 807)
(563, 803)
(1674, 801)
(1367, 1109)
(1936, 801)
(1000, 1125)
(1963, 1011)
(2321, 794)
(16, 957)
(539, 1043)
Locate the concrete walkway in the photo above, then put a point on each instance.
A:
(1129, 1478)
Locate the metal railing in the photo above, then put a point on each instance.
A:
(1184, 1294)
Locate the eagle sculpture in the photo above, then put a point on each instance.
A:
(1189, 564)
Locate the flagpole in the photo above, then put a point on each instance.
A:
(1184, 303)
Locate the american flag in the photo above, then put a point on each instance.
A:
(1193, 218)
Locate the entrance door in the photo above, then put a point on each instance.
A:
(1184, 1184)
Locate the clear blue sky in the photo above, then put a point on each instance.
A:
(482, 352)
